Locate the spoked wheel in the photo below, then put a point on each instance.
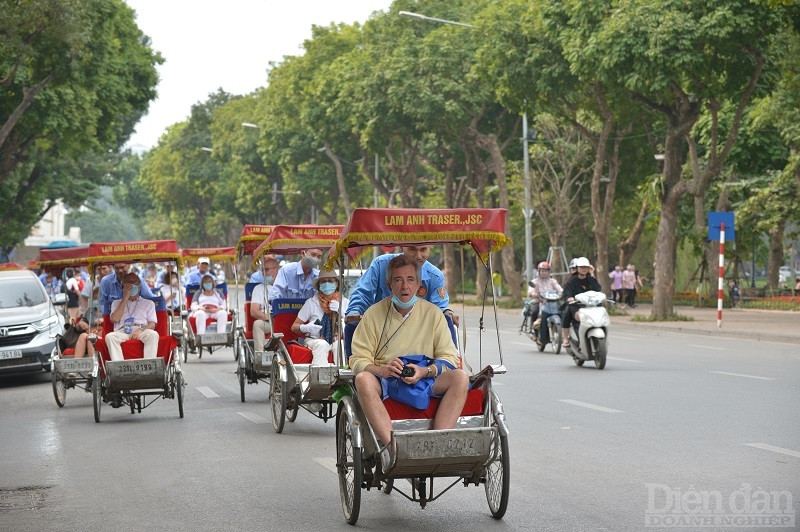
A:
(348, 462)
(278, 396)
(97, 396)
(185, 347)
(179, 392)
(600, 349)
(59, 389)
(293, 414)
(237, 342)
(241, 368)
(556, 339)
(497, 477)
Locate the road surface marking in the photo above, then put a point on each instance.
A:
(524, 344)
(626, 360)
(328, 463)
(774, 449)
(255, 418)
(208, 392)
(708, 347)
(742, 375)
(589, 405)
(627, 336)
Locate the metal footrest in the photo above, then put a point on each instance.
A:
(74, 365)
(440, 452)
(208, 339)
(136, 373)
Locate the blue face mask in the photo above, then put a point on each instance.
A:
(400, 304)
(134, 290)
(327, 288)
(268, 278)
(207, 286)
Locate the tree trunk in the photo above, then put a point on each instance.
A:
(337, 164)
(628, 246)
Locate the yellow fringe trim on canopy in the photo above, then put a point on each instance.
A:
(497, 241)
(147, 257)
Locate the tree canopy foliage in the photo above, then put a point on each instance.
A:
(75, 78)
(646, 114)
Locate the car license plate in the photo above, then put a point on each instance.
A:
(14, 353)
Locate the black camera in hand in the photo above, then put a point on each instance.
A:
(408, 371)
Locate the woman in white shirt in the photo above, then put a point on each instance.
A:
(171, 293)
(318, 319)
(209, 303)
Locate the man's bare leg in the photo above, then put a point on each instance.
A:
(453, 387)
(369, 395)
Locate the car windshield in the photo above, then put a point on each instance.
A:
(22, 293)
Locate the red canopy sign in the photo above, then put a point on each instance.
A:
(59, 258)
(483, 229)
(291, 239)
(5, 266)
(151, 250)
(190, 254)
(251, 237)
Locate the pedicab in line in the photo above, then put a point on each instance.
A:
(476, 451)
(67, 372)
(135, 380)
(294, 381)
(191, 341)
(249, 370)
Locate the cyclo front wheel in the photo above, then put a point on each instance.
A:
(497, 477)
(59, 389)
(348, 463)
(97, 397)
(278, 396)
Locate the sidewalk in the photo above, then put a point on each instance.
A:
(761, 325)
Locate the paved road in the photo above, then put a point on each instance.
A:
(674, 412)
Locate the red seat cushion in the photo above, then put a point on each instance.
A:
(132, 349)
(68, 352)
(248, 321)
(398, 410)
(209, 321)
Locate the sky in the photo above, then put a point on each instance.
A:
(212, 44)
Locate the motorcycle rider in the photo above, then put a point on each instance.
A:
(543, 283)
(581, 281)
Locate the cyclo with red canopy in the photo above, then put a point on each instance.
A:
(473, 453)
(135, 380)
(67, 372)
(294, 381)
(192, 341)
(249, 370)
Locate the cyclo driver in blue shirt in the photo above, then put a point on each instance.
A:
(372, 286)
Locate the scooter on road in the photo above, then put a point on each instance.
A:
(590, 341)
(550, 317)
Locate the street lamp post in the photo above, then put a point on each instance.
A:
(527, 212)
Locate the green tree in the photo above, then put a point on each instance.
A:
(76, 76)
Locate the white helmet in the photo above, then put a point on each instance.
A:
(572, 264)
(581, 261)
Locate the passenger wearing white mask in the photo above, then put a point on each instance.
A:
(318, 319)
(209, 303)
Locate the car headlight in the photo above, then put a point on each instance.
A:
(43, 325)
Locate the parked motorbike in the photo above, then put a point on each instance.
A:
(550, 306)
(590, 342)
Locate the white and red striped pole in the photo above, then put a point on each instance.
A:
(721, 272)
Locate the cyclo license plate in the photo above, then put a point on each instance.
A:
(148, 366)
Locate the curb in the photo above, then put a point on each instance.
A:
(760, 337)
